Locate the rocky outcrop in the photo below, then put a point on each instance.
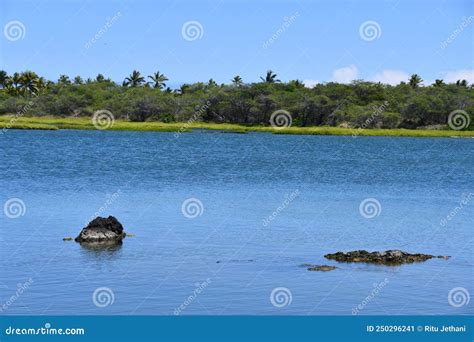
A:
(319, 268)
(102, 230)
(390, 257)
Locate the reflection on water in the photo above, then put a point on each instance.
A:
(103, 246)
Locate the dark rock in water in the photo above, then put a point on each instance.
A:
(322, 268)
(390, 257)
(102, 231)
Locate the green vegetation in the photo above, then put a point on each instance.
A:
(86, 123)
(144, 102)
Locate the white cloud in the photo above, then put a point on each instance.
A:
(392, 77)
(453, 76)
(345, 75)
(310, 83)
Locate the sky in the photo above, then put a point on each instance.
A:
(190, 41)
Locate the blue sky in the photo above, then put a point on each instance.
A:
(314, 41)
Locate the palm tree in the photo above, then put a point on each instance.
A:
(64, 79)
(270, 77)
(28, 80)
(13, 84)
(158, 80)
(237, 81)
(15, 80)
(134, 80)
(184, 88)
(438, 83)
(100, 78)
(297, 83)
(41, 84)
(211, 83)
(415, 81)
(78, 80)
(3, 78)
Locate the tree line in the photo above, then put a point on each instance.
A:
(410, 104)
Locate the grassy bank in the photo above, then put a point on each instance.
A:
(51, 123)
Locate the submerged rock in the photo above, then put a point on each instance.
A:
(322, 268)
(102, 230)
(390, 257)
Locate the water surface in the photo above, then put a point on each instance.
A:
(269, 204)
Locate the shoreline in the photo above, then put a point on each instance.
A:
(54, 123)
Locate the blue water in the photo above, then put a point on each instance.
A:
(269, 204)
